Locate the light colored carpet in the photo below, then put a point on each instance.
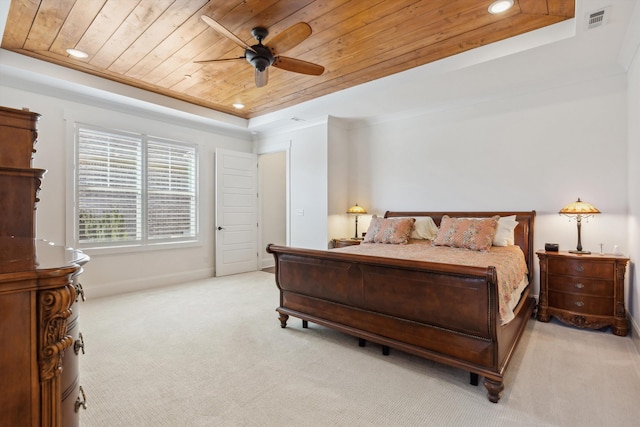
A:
(212, 353)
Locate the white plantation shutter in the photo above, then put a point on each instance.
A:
(132, 190)
(109, 183)
(171, 190)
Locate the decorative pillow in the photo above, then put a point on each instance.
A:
(504, 234)
(374, 227)
(424, 228)
(394, 230)
(469, 233)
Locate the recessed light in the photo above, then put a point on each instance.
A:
(77, 53)
(238, 106)
(500, 6)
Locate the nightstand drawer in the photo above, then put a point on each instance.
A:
(597, 306)
(581, 285)
(582, 268)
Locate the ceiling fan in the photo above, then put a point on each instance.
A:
(262, 56)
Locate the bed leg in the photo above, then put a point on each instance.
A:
(473, 378)
(283, 320)
(494, 388)
(362, 342)
(305, 324)
(385, 350)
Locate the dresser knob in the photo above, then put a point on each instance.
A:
(579, 285)
(579, 304)
(579, 268)
(81, 402)
(79, 344)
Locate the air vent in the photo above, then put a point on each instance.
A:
(597, 18)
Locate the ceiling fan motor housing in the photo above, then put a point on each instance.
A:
(260, 57)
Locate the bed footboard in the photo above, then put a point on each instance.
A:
(442, 312)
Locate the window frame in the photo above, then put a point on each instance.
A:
(144, 243)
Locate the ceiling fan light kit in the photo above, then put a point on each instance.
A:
(261, 57)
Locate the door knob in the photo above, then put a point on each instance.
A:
(220, 228)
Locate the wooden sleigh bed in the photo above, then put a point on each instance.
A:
(443, 312)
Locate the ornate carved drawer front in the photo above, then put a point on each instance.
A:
(576, 267)
(597, 306)
(581, 285)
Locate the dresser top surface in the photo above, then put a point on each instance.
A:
(24, 254)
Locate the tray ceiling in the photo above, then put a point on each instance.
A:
(153, 44)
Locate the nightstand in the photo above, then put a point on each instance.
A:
(583, 290)
(341, 243)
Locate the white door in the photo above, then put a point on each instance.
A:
(236, 221)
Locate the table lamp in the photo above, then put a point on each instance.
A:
(579, 210)
(356, 211)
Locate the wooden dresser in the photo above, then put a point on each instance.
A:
(39, 295)
(583, 290)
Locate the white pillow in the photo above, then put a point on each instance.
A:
(504, 234)
(424, 228)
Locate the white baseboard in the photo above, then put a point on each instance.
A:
(115, 288)
(634, 332)
(267, 262)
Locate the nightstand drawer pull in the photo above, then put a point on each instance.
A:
(579, 304)
(579, 285)
(579, 268)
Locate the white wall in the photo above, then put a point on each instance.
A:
(633, 294)
(339, 224)
(536, 151)
(308, 181)
(272, 177)
(114, 273)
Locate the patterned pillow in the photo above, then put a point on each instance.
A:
(476, 234)
(374, 227)
(394, 230)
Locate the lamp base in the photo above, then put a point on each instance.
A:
(580, 252)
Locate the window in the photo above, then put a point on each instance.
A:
(133, 189)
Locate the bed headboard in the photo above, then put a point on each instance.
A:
(523, 233)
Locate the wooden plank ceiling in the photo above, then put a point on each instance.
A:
(152, 44)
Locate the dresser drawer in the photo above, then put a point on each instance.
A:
(71, 415)
(581, 285)
(71, 365)
(597, 306)
(582, 268)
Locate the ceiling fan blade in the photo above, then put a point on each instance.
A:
(262, 77)
(298, 66)
(222, 30)
(209, 61)
(289, 38)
